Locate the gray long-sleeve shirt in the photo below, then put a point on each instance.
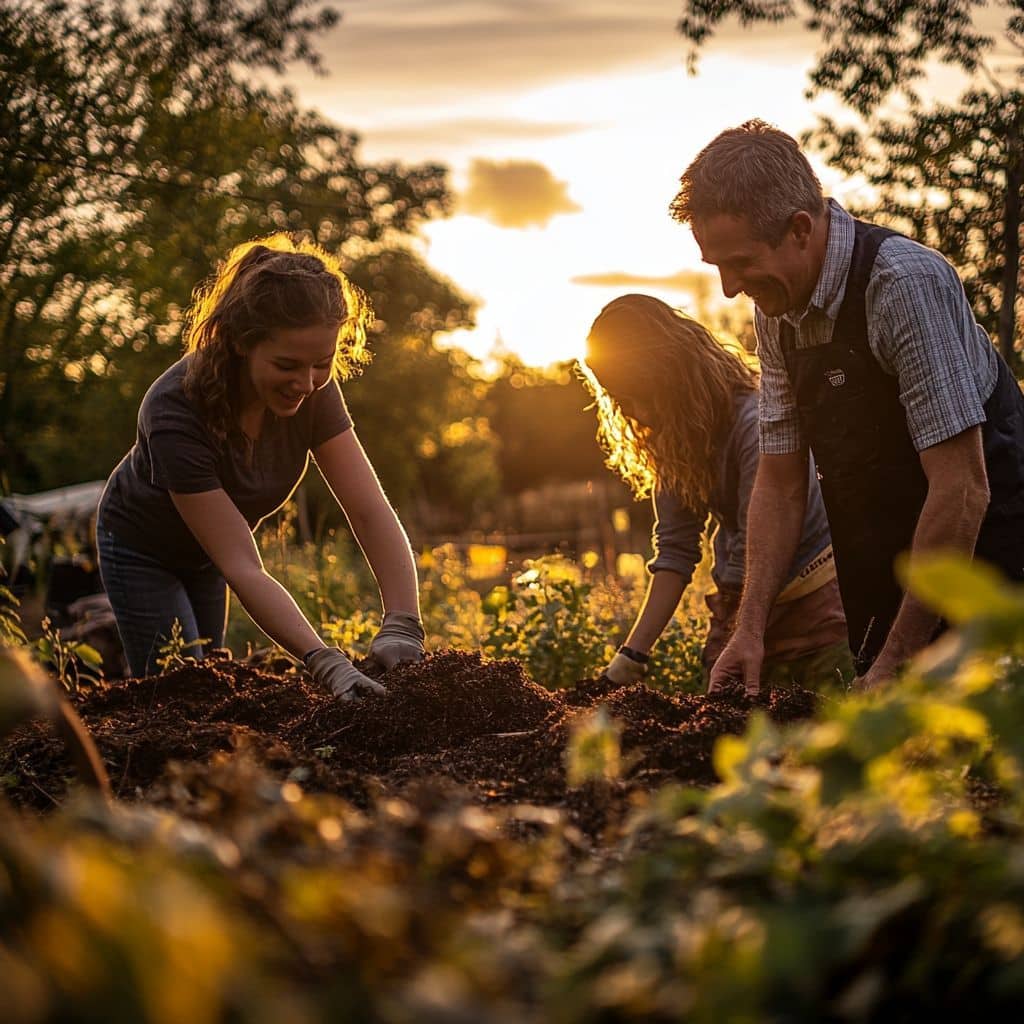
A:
(678, 529)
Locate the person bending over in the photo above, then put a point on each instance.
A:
(677, 416)
(872, 361)
(224, 438)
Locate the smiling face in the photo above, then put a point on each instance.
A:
(283, 370)
(780, 278)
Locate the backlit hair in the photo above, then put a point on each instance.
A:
(640, 349)
(754, 171)
(263, 285)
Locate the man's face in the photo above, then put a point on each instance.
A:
(778, 278)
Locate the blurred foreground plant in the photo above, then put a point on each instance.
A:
(866, 866)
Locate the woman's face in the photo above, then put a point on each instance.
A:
(625, 389)
(636, 409)
(288, 366)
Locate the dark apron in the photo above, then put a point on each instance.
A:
(871, 476)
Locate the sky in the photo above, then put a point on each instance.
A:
(566, 125)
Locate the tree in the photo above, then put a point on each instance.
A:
(951, 174)
(546, 429)
(134, 151)
(419, 409)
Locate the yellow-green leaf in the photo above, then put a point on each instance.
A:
(960, 590)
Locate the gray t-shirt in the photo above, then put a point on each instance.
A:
(678, 528)
(175, 451)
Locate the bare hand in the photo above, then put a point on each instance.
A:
(874, 679)
(739, 663)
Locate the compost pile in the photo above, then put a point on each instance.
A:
(481, 725)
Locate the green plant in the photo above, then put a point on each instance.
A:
(545, 619)
(564, 627)
(11, 633)
(593, 752)
(73, 661)
(171, 654)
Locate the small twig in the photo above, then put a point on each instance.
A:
(35, 785)
(337, 732)
(124, 774)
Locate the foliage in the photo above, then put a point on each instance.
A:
(73, 661)
(136, 147)
(594, 750)
(524, 405)
(11, 633)
(846, 869)
(545, 620)
(427, 430)
(865, 866)
(953, 178)
(952, 174)
(565, 628)
(552, 616)
(173, 653)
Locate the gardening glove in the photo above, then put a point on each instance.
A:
(400, 638)
(623, 670)
(329, 667)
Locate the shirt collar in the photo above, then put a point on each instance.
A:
(830, 289)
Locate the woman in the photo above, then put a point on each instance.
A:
(224, 437)
(677, 416)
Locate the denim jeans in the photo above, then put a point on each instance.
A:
(147, 597)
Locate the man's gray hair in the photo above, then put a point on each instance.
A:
(754, 171)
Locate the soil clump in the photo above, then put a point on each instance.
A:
(480, 724)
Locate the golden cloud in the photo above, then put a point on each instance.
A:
(697, 283)
(515, 194)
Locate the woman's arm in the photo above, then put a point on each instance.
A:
(348, 473)
(660, 602)
(224, 535)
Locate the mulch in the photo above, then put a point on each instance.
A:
(482, 725)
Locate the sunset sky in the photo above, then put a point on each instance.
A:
(566, 125)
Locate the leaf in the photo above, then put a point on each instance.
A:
(496, 600)
(729, 754)
(88, 654)
(960, 590)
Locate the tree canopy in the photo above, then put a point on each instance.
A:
(135, 150)
(951, 174)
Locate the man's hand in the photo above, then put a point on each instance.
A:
(876, 678)
(740, 662)
(400, 638)
(332, 669)
(624, 670)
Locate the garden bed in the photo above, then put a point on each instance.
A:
(480, 724)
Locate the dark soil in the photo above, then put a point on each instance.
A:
(480, 724)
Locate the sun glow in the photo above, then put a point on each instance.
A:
(622, 172)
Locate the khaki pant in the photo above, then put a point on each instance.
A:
(806, 643)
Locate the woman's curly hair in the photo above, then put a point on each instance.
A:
(265, 284)
(644, 356)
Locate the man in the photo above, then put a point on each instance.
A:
(870, 357)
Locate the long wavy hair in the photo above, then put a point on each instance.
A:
(645, 357)
(262, 285)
